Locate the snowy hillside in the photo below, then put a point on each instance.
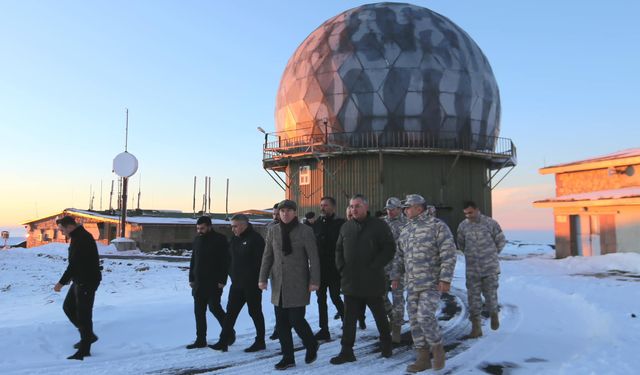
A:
(571, 316)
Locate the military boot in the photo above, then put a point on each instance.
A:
(495, 321)
(343, 357)
(438, 357)
(94, 338)
(83, 351)
(396, 331)
(476, 329)
(423, 361)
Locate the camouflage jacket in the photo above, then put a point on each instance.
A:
(426, 253)
(481, 242)
(396, 226)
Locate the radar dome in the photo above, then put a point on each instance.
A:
(388, 67)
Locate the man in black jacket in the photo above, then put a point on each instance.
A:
(84, 271)
(246, 247)
(365, 246)
(326, 230)
(207, 277)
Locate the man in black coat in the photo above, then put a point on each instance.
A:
(365, 246)
(84, 271)
(246, 247)
(326, 230)
(207, 277)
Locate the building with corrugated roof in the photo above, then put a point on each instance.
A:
(151, 229)
(596, 209)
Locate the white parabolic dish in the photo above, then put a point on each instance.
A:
(125, 164)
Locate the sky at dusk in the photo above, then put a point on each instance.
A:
(199, 77)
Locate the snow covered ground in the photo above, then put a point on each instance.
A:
(571, 316)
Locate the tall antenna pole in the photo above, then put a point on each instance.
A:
(194, 196)
(92, 196)
(125, 182)
(209, 196)
(111, 197)
(126, 131)
(119, 193)
(100, 195)
(123, 217)
(204, 197)
(139, 190)
(227, 201)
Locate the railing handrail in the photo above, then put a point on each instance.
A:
(440, 140)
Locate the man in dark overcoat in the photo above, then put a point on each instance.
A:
(327, 230)
(365, 246)
(246, 247)
(208, 273)
(84, 271)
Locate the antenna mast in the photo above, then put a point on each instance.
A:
(194, 195)
(227, 201)
(209, 197)
(126, 131)
(111, 197)
(139, 190)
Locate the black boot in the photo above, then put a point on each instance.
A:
(94, 338)
(79, 355)
(232, 339)
(83, 351)
(220, 345)
(199, 343)
(323, 334)
(362, 323)
(312, 353)
(257, 345)
(274, 335)
(385, 348)
(285, 363)
(344, 357)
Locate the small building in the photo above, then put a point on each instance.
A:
(151, 229)
(597, 205)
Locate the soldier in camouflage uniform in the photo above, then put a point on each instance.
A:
(396, 220)
(480, 238)
(426, 258)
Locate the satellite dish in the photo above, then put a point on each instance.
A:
(125, 164)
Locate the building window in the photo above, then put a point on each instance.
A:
(305, 175)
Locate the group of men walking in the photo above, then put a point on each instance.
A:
(363, 257)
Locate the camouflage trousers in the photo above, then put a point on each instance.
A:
(477, 287)
(395, 307)
(422, 307)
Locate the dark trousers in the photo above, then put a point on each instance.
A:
(78, 305)
(252, 296)
(293, 317)
(334, 294)
(353, 309)
(203, 298)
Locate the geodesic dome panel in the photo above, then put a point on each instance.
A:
(389, 67)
